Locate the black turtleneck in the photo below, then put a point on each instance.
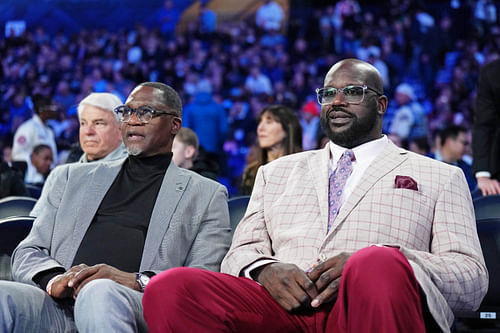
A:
(118, 231)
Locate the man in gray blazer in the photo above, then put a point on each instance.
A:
(104, 229)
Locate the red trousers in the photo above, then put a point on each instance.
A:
(378, 293)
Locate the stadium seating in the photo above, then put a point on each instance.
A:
(16, 206)
(237, 208)
(487, 207)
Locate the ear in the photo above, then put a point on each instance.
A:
(176, 125)
(189, 152)
(382, 103)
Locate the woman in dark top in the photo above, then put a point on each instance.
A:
(278, 134)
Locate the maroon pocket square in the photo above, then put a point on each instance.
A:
(405, 182)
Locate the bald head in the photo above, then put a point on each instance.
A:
(359, 69)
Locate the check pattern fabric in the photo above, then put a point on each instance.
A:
(338, 180)
(434, 226)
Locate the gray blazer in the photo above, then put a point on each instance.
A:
(189, 224)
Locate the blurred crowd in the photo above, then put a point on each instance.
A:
(226, 73)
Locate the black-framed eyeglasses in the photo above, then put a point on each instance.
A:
(352, 94)
(144, 113)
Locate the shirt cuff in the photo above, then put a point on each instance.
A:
(481, 174)
(386, 245)
(43, 278)
(148, 273)
(256, 264)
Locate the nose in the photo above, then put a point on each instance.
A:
(260, 127)
(88, 129)
(134, 119)
(339, 98)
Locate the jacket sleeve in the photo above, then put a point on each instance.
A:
(21, 147)
(251, 241)
(485, 123)
(32, 255)
(213, 238)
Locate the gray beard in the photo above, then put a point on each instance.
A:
(134, 151)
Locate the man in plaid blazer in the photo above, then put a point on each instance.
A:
(400, 255)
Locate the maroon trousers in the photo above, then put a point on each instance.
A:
(378, 293)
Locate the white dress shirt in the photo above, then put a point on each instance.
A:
(364, 154)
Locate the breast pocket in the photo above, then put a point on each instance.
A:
(402, 216)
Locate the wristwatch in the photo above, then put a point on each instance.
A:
(143, 280)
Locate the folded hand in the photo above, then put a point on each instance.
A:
(326, 277)
(288, 285)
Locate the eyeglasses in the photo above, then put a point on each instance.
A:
(352, 94)
(144, 113)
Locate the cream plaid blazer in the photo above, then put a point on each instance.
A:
(434, 227)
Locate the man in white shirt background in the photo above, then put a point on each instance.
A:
(35, 130)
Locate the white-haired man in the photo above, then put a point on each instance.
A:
(100, 135)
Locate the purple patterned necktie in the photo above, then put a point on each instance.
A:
(337, 183)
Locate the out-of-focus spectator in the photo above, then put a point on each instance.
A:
(309, 120)
(185, 148)
(420, 146)
(208, 18)
(278, 134)
(486, 131)
(207, 118)
(11, 181)
(485, 15)
(409, 119)
(7, 154)
(373, 57)
(269, 16)
(168, 16)
(453, 146)
(39, 165)
(16, 109)
(327, 27)
(258, 83)
(186, 154)
(35, 131)
(63, 97)
(346, 13)
(100, 134)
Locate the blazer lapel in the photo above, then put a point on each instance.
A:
(318, 166)
(390, 158)
(95, 189)
(172, 188)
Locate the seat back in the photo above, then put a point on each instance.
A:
(237, 208)
(34, 190)
(489, 236)
(488, 314)
(476, 193)
(487, 207)
(12, 231)
(16, 206)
